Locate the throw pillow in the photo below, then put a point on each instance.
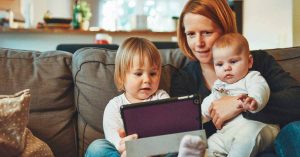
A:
(35, 147)
(14, 110)
(15, 138)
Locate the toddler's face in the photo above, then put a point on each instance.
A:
(231, 65)
(141, 81)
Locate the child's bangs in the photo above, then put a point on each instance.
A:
(144, 49)
(152, 55)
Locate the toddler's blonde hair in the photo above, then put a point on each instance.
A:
(132, 46)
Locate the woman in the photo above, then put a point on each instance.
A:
(201, 23)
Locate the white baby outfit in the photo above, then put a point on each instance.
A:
(240, 137)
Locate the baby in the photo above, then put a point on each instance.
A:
(238, 137)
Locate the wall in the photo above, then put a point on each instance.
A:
(296, 22)
(34, 10)
(268, 23)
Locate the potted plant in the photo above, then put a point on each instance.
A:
(81, 15)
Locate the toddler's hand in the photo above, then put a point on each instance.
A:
(248, 103)
(121, 148)
(191, 146)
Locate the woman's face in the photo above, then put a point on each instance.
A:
(201, 33)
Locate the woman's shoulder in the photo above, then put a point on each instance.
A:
(262, 61)
(260, 54)
(187, 73)
(191, 66)
(186, 80)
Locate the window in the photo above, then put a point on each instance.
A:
(139, 14)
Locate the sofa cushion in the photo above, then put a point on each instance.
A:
(288, 140)
(48, 76)
(289, 59)
(93, 71)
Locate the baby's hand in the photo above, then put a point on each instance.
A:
(191, 146)
(121, 148)
(248, 103)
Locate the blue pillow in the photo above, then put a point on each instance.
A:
(287, 143)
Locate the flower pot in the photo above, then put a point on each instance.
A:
(85, 25)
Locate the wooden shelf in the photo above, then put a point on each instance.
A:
(134, 32)
(48, 39)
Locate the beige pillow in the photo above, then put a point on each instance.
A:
(15, 138)
(35, 147)
(14, 110)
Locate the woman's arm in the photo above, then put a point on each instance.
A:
(224, 109)
(284, 103)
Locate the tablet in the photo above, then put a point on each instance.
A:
(161, 117)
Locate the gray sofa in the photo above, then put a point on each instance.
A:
(69, 92)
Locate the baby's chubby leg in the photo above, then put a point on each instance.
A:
(192, 146)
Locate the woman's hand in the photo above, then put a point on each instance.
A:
(224, 109)
(121, 148)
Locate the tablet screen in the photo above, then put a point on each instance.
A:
(162, 117)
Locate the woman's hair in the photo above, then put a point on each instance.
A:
(232, 40)
(132, 46)
(216, 10)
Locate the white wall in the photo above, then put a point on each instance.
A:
(34, 10)
(268, 23)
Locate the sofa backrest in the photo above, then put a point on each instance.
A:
(289, 59)
(74, 47)
(49, 78)
(93, 71)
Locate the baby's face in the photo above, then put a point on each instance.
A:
(142, 80)
(230, 64)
